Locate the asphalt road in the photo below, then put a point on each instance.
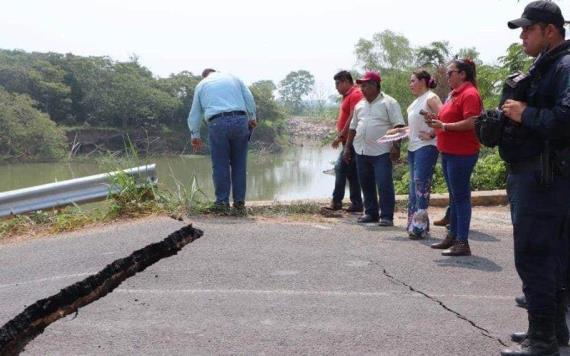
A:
(275, 286)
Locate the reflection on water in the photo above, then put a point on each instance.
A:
(296, 173)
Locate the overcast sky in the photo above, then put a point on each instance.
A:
(253, 39)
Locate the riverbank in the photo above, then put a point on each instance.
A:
(302, 129)
(88, 141)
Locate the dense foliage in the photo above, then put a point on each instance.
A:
(27, 133)
(97, 92)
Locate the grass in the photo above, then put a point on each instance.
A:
(280, 209)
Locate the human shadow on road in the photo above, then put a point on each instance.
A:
(470, 262)
(481, 236)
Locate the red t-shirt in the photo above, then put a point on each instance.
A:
(349, 101)
(463, 102)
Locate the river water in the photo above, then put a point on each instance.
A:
(295, 173)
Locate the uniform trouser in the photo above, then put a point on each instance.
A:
(541, 245)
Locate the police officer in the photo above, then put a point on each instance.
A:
(536, 131)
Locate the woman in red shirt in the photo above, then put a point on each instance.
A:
(459, 149)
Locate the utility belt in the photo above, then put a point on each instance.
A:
(531, 165)
(550, 163)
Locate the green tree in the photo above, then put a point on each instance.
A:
(294, 87)
(180, 86)
(271, 123)
(434, 55)
(27, 133)
(489, 84)
(386, 50)
(36, 75)
(470, 53)
(515, 59)
(133, 101)
(391, 54)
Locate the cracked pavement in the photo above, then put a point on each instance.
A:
(276, 286)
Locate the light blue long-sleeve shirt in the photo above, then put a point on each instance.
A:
(217, 93)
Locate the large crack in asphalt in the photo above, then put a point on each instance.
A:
(18, 332)
(482, 330)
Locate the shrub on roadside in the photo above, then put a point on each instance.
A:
(28, 134)
(489, 174)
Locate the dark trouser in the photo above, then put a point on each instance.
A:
(343, 172)
(376, 172)
(541, 246)
(228, 138)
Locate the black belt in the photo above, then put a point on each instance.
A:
(228, 113)
(530, 165)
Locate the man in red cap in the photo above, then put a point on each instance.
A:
(371, 119)
(536, 148)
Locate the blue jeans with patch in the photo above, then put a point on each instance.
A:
(422, 164)
(228, 138)
(457, 171)
(375, 175)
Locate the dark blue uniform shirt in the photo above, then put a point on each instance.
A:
(547, 116)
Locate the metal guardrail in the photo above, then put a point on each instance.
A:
(73, 191)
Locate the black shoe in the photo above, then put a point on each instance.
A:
(520, 336)
(219, 208)
(367, 219)
(539, 341)
(386, 222)
(521, 301)
(334, 206)
(354, 208)
(239, 208)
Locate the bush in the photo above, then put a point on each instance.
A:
(489, 174)
(28, 134)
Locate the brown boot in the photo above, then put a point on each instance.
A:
(460, 248)
(442, 222)
(445, 243)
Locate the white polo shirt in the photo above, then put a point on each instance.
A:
(371, 121)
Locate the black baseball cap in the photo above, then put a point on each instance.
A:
(539, 11)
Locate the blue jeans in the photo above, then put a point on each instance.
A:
(457, 171)
(343, 172)
(422, 164)
(228, 147)
(376, 172)
(541, 253)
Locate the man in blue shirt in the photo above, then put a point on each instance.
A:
(228, 107)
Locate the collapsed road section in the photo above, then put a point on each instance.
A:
(19, 331)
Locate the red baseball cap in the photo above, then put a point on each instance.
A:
(369, 77)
